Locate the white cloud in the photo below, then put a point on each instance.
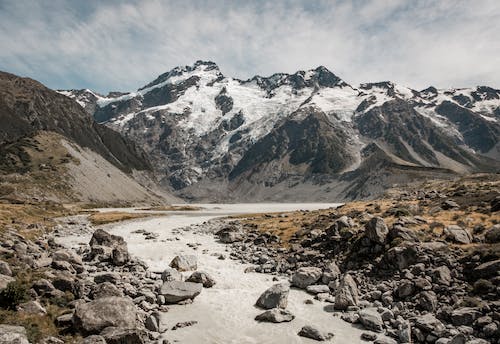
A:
(122, 46)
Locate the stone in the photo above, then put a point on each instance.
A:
(317, 289)
(404, 332)
(313, 333)
(405, 288)
(152, 323)
(449, 204)
(184, 324)
(51, 340)
(64, 282)
(371, 319)
(10, 334)
(120, 255)
(401, 257)
(111, 277)
(487, 270)
(42, 286)
(275, 296)
(184, 263)
(331, 273)
(385, 340)
(492, 236)
(368, 336)
(464, 316)
(4, 281)
(171, 274)
(457, 234)
(429, 323)
(92, 317)
(427, 300)
(229, 235)
(5, 268)
(118, 335)
(275, 315)
(458, 339)
(105, 289)
(177, 291)
(94, 339)
(442, 275)
(306, 276)
(31, 307)
(65, 320)
(68, 256)
(201, 277)
(109, 247)
(376, 230)
(346, 294)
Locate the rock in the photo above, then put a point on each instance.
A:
(10, 334)
(458, 339)
(351, 318)
(427, 300)
(171, 274)
(368, 336)
(331, 273)
(117, 335)
(51, 340)
(313, 333)
(110, 277)
(152, 323)
(275, 296)
(110, 246)
(401, 257)
(119, 255)
(464, 316)
(31, 307)
(63, 266)
(184, 324)
(42, 286)
(376, 230)
(92, 317)
(492, 236)
(371, 319)
(203, 278)
(69, 256)
(442, 275)
(105, 289)
(184, 263)
(457, 234)
(429, 323)
(487, 270)
(347, 293)
(65, 320)
(229, 235)
(4, 281)
(495, 204)
(5, 268)
(449, 204)
(176, 291)
(317, 289)
(275, 315)
(404, 332)
(306, 276)
(64, 282)
(385, 340)
(94, 339)
(405, 288)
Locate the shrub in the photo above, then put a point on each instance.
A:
(15, 293)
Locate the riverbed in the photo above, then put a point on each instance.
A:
(225, 313)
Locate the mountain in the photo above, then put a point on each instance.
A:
(302, 136)
(52, 149)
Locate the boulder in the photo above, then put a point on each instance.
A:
(492, 236)
(106, 246)
(184, 263)
(92, 317)
(464, 316)
(313, 333)
(429, 323)
(42, 286)
(117, 335)
(5, 268)
(94, 339)
(331, 273)
(4, 281)
(201, 277)
(31, 307)
(427, 300)
(385, 340)
(449, 204)
(275, 315)
(171, 274)
(306, 276)
(487, 270)
(176, 291)
(371, 319)
(441, 275)
(152, 322)
(404, 332)
(229, 235)
(405, 288)
(347, 293)
(275, 296)
(10, 334)
(111, 277)
(376, 230)
(317, 289)
(457, 234)
(401, 257)
(105, 289)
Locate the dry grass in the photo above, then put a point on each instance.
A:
(172, 208)
(115, 216)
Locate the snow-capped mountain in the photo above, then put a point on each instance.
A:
(308, 135)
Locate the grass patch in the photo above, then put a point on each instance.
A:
(98, 219)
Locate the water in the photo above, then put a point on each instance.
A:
(225, 312)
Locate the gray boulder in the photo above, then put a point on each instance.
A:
(105, 246)
(487, 270)
(275, 315)
(201, 277)
(171, 274)
(371, 319)
(92, 317)
(429, 323)
(331, 273)
(31, 307)
(457, 234)
(5, 268)
(13, 335)
(184, 263)
(177, 291)
(492, 236)
(442, 275)
(229, 235)
(376, 230)
(105, 289)
(118, 335)
(464, 316)
(275, 296)
(306, 276)
(315, 334)
(347, 293)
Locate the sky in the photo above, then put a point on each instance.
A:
(122, 45)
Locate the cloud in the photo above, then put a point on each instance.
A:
(118, 45)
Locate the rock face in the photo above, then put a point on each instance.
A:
(275, 296)
(13, 335)
(201, 277)
(347, 293)
(306, 276)
(275, 315)
(92, 317)
(371, 319)
(184, 263)
(176, 291)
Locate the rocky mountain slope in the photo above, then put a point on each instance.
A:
(50, 148)
(309, 133)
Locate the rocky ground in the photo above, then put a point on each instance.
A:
(420, 265)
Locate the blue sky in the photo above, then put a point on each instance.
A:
(122, 45)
